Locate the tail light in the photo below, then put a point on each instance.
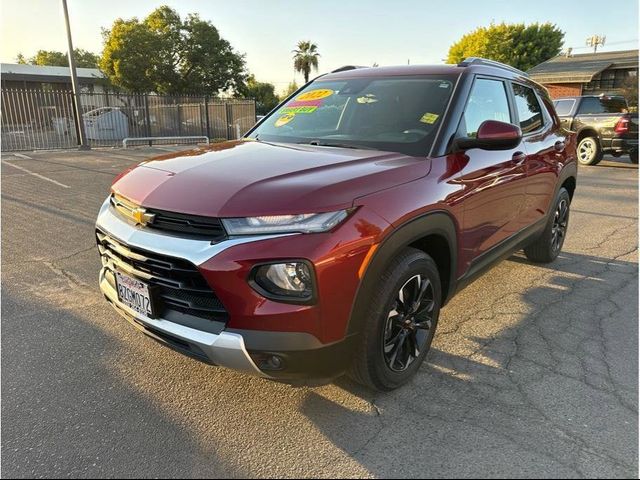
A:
(622, 126)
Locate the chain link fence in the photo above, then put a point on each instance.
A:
(37, 119)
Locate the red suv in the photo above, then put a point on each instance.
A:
(328, 238)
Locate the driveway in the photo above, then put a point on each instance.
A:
(533, 372)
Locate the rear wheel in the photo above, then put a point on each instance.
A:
(401, 322)
(589, 152)
(547, 247)
(633, 156)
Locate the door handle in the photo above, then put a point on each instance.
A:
(559, 146)
(519, 158)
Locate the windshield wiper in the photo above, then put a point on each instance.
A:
(320, 143)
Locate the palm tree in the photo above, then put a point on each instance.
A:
(305, 58)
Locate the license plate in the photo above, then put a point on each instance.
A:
(134, 294)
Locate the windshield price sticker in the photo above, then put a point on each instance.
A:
(300, 109)
(429, 118)
(284, 119)
(314, 94)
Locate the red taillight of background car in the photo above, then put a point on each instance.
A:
(622, 126)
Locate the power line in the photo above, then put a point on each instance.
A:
(619, 42)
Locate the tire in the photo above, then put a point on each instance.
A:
(374, 364)
(589, 151)
(548, 245)
(633, 156)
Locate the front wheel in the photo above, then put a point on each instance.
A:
(401, 321)
(547, 247)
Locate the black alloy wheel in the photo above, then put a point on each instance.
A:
(408, 323)
(559, 228)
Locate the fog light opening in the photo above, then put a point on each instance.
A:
(286, 281)
(268, 361)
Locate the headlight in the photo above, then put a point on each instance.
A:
(304, 223)
(289, 281)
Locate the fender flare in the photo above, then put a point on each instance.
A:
(433, 223)
(570, 170)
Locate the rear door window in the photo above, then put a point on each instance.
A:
(595, 105)
(564, 107)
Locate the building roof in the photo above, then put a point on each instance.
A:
(39, 73)
(583, 67)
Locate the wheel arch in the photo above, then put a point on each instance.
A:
(568, 179)
(588, 132)
(434, 233)
(570, 184)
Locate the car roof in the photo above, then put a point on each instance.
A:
(446, 69)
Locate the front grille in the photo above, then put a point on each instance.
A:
(209, 227)
(177, 284)
(199, 226)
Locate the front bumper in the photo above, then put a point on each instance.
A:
(304, 358)
(224, 349)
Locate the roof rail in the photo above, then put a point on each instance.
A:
(490, 63)
(347, 67)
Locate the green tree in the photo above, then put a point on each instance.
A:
(167, 54)
(305, 58)
(84, 58)
(519, 45)
(262, 92)
(292, 87)
(127, 58)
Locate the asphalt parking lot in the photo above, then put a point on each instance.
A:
(533, 372)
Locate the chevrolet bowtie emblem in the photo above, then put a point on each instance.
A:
(141, 216)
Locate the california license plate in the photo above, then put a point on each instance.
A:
(134, 294)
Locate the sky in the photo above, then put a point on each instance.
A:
(357, 32)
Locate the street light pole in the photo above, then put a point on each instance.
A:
(77, 106)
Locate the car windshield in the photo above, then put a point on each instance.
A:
(398, 114)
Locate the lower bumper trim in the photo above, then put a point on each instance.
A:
(225, 349)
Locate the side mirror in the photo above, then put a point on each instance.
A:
(492, 135)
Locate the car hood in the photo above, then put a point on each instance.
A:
(249, 178)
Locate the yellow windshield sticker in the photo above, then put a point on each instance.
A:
(314, 95)
(429, 118)
(284, 119)
(301, 109)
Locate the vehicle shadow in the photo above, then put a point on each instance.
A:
(620, 162)
(521, 383)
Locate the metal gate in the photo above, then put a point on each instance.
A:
(40, 119)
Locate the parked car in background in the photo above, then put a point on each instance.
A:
(328, 239)
(603, 124)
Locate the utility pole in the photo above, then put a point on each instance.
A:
(596, 40)
(77, 106)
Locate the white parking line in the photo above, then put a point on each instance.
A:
(23, 156)
(36, 174)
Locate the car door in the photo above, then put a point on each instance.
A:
(544, 144)
(493, 181)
